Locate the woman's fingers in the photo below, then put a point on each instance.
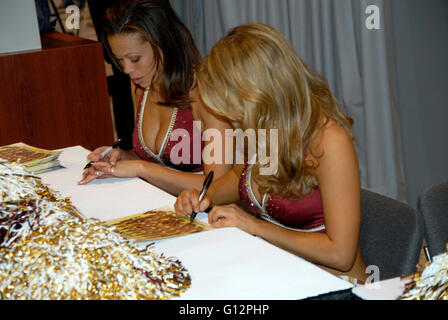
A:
(123, 168)
(219, 217)
(96, 154)
(188, 202)
(104, 167)
(89, 175)
(86, 180)
(184, 205)
(232, 216)
(114, 156)
(93, 173)
(205, 204)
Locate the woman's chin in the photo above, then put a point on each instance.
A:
(143, 85)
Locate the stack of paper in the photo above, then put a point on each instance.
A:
(34, 159)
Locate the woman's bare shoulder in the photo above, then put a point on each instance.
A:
(337, 149)
(335, 135)
(333, 142)
(332, 135)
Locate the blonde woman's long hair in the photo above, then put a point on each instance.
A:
(255, 78)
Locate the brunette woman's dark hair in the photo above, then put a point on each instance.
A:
(176, 55)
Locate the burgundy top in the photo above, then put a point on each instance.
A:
(305, 215)
(181, 128)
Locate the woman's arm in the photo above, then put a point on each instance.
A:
(169, 180)
(224, 188)
(339, 182)
(222, 191)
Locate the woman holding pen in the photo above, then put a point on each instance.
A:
(147, 40)
(310, 203)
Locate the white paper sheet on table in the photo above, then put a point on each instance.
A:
(231, 264)
(104, 199)
(223, 263)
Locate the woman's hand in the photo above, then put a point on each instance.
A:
(92, 173)
(188, 202)
(102, 170)
(232, 216)
(122, 169)
(112, 157)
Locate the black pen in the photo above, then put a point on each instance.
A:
(104, 153)
(205, 186)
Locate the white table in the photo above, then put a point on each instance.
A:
(223, 263)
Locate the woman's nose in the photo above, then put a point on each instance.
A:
(127, 67)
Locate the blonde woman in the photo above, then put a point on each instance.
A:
(310, 205)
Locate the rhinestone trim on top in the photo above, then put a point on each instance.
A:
(264, 212)
(157, 157)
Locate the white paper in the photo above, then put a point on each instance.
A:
(104, 199)
(231, 264)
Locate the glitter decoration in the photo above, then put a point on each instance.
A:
(156, 225)
(49, 251)
(430, 282)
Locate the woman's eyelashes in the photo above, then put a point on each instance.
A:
(135, 60)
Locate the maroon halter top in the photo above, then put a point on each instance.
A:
(304, 215)
(181, 123)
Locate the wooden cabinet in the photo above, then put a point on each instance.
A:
(55, 97)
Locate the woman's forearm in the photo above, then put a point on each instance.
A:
(225, 189)
(315, 247)
(169, 180)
